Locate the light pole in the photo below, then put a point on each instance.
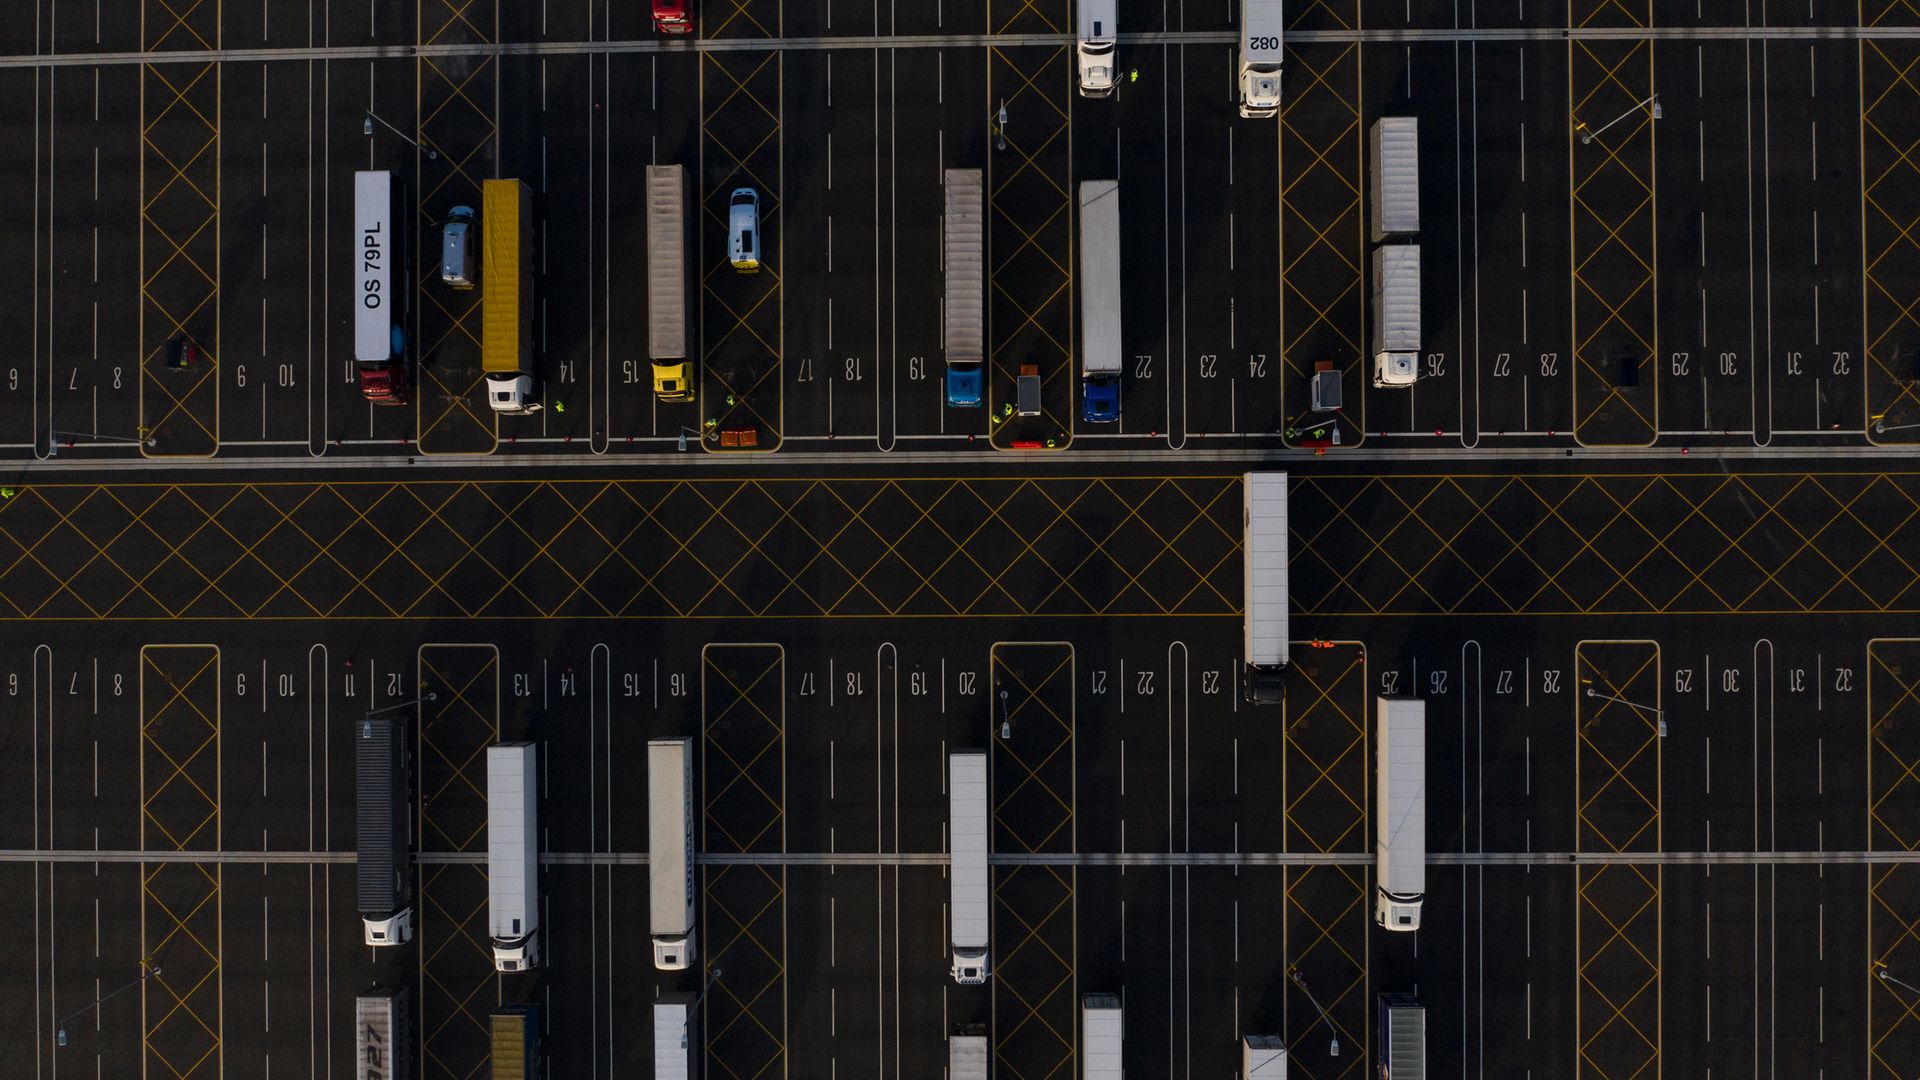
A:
(385, 709)
(1652, 104)
(1299, 980)
(1880, 971)
(1006, 718)
(60, 1029)
(1659, 715)
(1000, 129)
(366, 128)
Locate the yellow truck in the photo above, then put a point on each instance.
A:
(667, 215)
(506, 298)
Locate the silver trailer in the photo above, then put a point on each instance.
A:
(1102, 1033)
(1393, 159)
(1396, 315)
(1400, 812)
(969, 908)
(1264, 595)
(670, 867)
(513, 855)
(383, 1035)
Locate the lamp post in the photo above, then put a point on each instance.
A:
(1006, 718)
(1299, 980)
(1659, 715)
(1652, 104)
(60, 1029)
(1880, 971)
(1000, 129)
(366, 128)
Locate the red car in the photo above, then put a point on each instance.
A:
(672, 17)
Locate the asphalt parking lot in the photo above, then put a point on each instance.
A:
(1663, 624)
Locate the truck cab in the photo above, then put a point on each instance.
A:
(510, 392)
(964, 385)
(672, 17)
(386, 382)
(969, 966)
(1098, 38)
(1100, 400)
(672, 381)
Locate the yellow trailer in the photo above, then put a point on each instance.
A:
(506, 299)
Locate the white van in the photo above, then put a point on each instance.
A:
(456, 248)
(743, 230)
(1099, 33)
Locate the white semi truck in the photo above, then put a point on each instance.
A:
(670, 869)
(513, 855)
(1103, 1031)
(969, 908)
(1400, 812)
(1264, 594)
(1261, 56)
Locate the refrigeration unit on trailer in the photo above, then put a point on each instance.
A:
(969, 908)
(383, 1035)
(513, 855)
(383, 296)
(1264, 585)
(383, 817)
(963, 254)
(1400, 812)
(1102, 1030)
(1099, 301)
(1261, 56)
(670, 869)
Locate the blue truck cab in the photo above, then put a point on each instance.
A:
(1100, 399)
(964, 385)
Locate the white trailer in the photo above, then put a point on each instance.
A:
(969, 907)
(967, 1052)
(1261, 56)
(1264, 595)
(675, 1041)
(513, 855)
(1393, 159)
(1402, 1048)
(1102, 1031)
(383, 1036)
(1396, 315)
(1100, 301)
(1099, 28)
(1263, 1057)
(1400, 812)
(670, 885)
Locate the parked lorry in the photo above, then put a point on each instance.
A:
(967, 1052)
(1400, 812)
(383, 1035)
(513, 855)
(1393, 160)
(383, 817)
(1263, 1057)
(1264, 585)
(1261, 56)
(515, 1034)
(676, 1036)
(668, 212)
(506, 295)
(963, 253)
(382, 298)
(1402, 1027)
(1098, 40)
(1099, 301)
(670, 869)
(1396, 315)
(969, 908)
(1102, 1031)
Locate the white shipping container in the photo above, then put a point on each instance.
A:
(1264, 543)
(670, 866)
(969, 906)
(1099, 277)
(1393, 156)
(1102, 1033)
(674, 1045)
(375, 249)
(1263, 1057)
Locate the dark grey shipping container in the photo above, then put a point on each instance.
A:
(383, 1035)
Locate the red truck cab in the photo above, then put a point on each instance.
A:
(672, 17)
(385, 382)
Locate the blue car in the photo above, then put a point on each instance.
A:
(964, 386)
